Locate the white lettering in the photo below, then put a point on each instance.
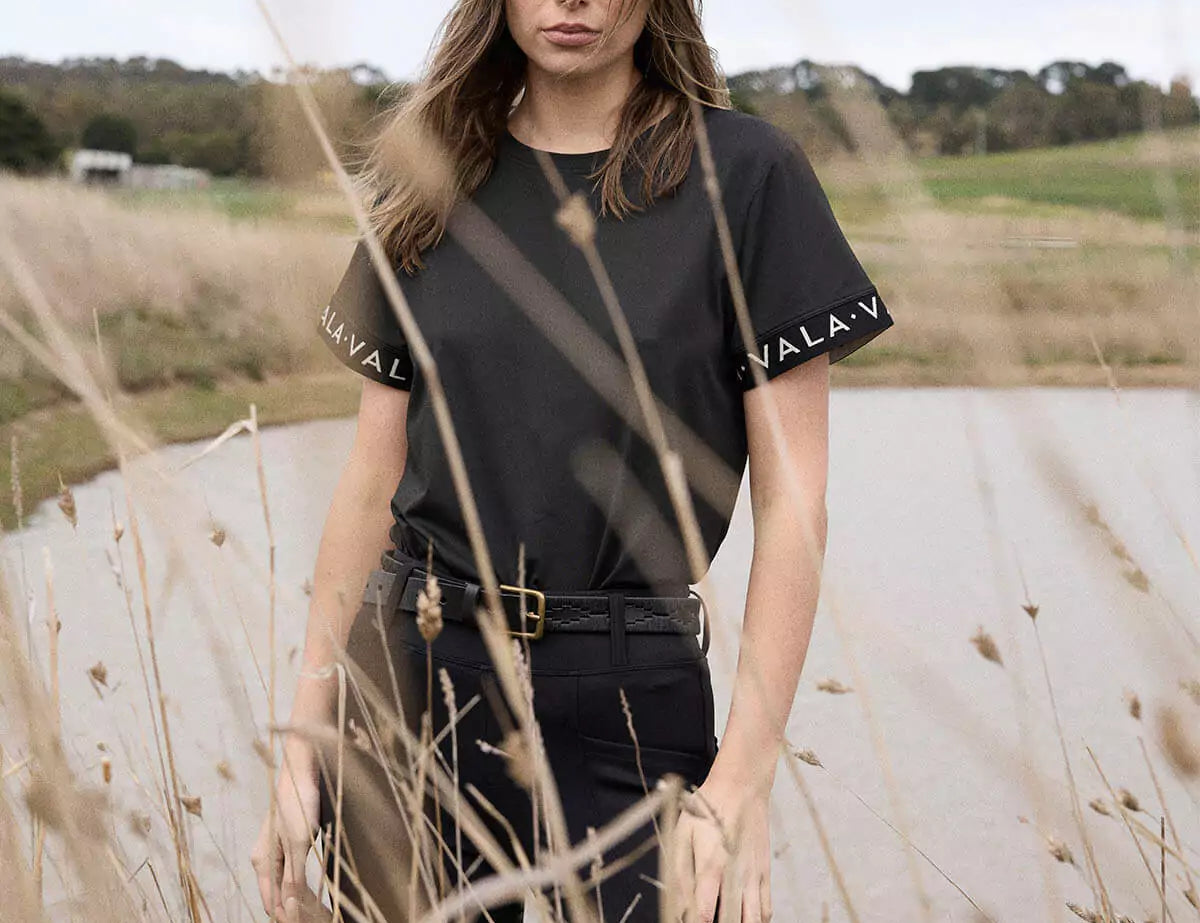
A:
(835, 325)
(373, 361)
(785, 347)
(337, 334)
(766, 353)
(324, 315)
(356, 344)
(392, 371)
(329, 321)
(808, 340)
(873, 310)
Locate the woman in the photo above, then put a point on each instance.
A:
(569, 488)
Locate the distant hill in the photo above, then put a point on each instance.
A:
(247, 123)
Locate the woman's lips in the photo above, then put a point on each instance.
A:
(559, 37)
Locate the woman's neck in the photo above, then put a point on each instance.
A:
(572, 114)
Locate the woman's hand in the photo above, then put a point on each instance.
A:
(279, 860)
(741, 834)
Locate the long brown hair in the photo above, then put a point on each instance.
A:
(459, 108)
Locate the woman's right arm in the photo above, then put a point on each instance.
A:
(354, 537)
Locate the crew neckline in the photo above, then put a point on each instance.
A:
(582, 162)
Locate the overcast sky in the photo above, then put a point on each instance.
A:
(1154, 39)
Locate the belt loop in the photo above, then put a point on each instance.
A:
(470, 597)
(396, 590)
(704, 620)
(616, 627)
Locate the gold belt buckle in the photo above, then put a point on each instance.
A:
(541, 611)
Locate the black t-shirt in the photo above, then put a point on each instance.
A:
(550, 462)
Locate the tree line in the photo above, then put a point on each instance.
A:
(249, 124)
(233, 124)
(966, 110)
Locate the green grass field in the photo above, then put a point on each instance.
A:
(1110, 175)
(1115, 175)
(249, 199)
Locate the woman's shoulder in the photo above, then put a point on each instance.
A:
(747, 145)
(751, 154)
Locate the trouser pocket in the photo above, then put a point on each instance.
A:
(668, 706)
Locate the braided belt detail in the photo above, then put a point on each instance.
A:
(563, 612)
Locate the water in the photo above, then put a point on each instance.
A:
(949, 510)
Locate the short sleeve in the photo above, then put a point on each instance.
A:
(806, 291)
(359, 326)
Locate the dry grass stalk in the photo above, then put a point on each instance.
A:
(523, 861)
(53, 795)
(986, 645)
(530, 761)
(1025, 765)
(429, 623)
(66, 503)
(560, 864)
(514, 841)
(15, 481)
(1126, 802)
(879, 746)
(637, 749)
(1190, 891)
(805, 755)
(1138, 577)
(193, 897)
(67, 364)
(1093, 917)
(374, 705)
(1177, 741)
(1095, 880)
(452, 713)
(1143, 630)
(420, 847)
(1060, 850)
(271, 633)
(822, 837)
(794, 754)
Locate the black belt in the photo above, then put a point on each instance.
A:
(401, 579)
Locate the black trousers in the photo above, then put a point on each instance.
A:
(576, 678)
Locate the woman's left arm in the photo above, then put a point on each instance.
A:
(787, 497)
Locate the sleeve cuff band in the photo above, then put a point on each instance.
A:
(838, 330)
(364, 353)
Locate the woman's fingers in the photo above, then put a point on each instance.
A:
(295, 892)
(267, 860)
(764, 895)
(709, 854)
(752, 902)
(282, 885)
(683, 874)
(288, 898)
